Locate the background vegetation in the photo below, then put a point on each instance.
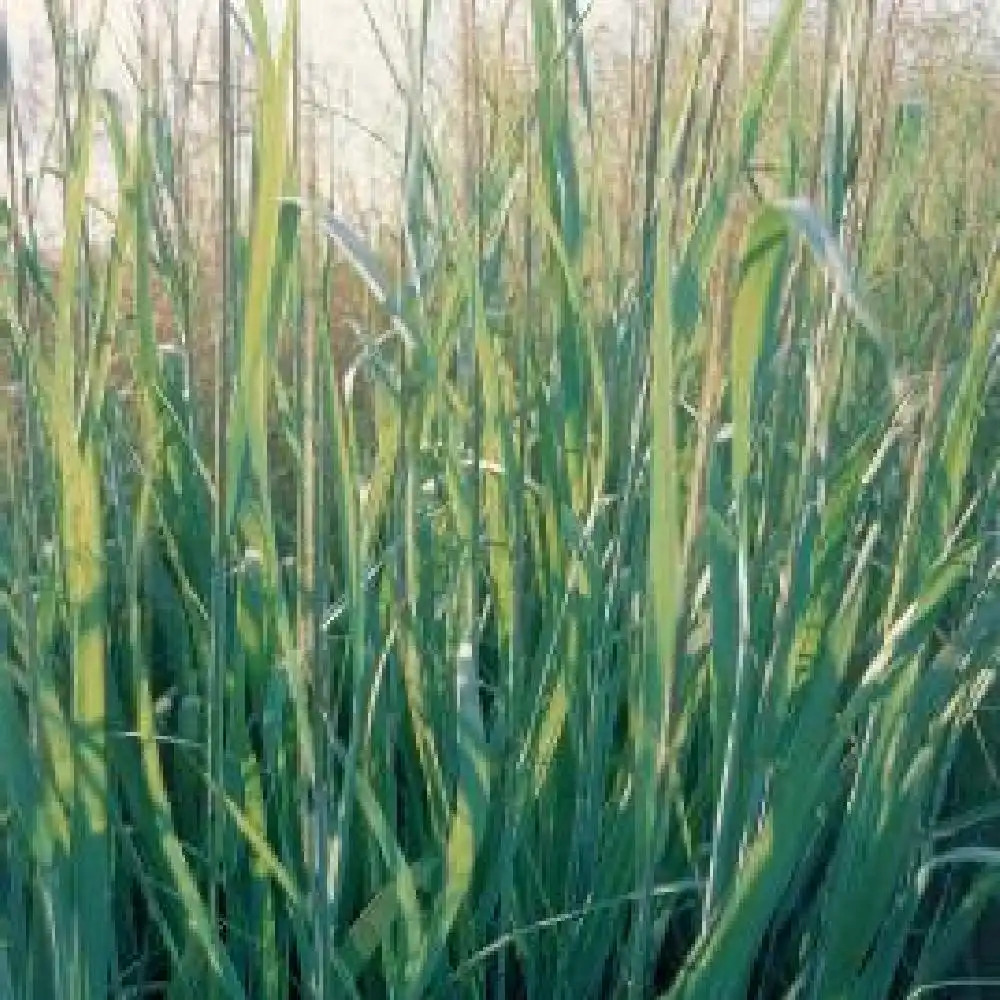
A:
(584, 584)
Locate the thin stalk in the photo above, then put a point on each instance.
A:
(661, 32)
(309, 633)
(215, 694)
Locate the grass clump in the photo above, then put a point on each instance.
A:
(614, 613)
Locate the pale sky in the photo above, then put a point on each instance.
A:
(338, 39)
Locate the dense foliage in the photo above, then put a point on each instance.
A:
(609, 606)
